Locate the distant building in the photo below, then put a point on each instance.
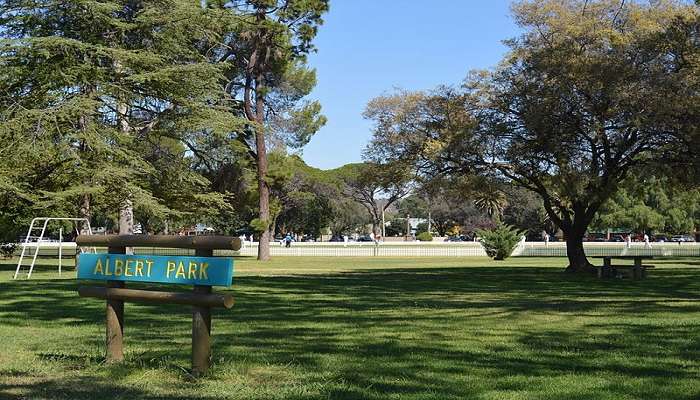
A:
(414, 222)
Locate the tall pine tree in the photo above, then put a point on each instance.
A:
(265, 49)
(88, 89)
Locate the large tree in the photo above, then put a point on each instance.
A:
(303, 196)
(266, 48)
(375, 187)
(454, 205)
(591, 91)
(83, 84)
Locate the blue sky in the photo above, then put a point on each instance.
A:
(369, 47)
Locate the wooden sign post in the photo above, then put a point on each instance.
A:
(203, 271)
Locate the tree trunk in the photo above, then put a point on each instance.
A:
(126, 221)
(440, 228)
(264, 205)
(578, 263)
(85, 213)
(273, 226)
(126, 208)
(263, 188)
(126, 218)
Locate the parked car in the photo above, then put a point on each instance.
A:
(336, 239)
(595, 237)
(617, 238)
(682, 238)
(460, 238)
(365, 238)
(533, 237)
(307, 238)
(661, 238)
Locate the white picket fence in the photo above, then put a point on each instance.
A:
(369, 249)
(422, 249)
(593, 249)
(470, 249)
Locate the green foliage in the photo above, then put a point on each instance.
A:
(396, 227)
(347, 216)
(259, 225)
(106, 101)
(374, 186)
(424, 237)
(566, 113)
(295, 120)
(525, 211)
(647, 203)
(103, 101)
(500, 241)
(491, 201)
(413, 205)
(263, 47)
(304, 195)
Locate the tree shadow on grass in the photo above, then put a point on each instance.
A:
(9, 266)
(79, 388)
(373, 323)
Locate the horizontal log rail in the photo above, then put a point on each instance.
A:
(172, 241)
(150, 296)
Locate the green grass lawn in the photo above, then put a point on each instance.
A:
(370, 328)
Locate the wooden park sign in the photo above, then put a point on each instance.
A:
(116, 268)
(161, 269)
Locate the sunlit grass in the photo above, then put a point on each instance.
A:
(370, 328)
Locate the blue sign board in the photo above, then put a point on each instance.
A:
(213, 271)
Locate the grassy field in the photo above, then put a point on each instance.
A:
(371, 328)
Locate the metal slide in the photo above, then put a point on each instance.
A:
(34, 242)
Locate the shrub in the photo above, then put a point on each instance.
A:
(425, 237)
(500, 241)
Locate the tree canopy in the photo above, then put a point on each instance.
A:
(589, 93)
(91, 91)
(264, 46)
(174, 112)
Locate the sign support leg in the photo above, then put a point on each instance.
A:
(637, 270)
(60, 249)
(115, 319)
(201, 328)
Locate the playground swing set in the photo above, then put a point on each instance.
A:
(35, 240)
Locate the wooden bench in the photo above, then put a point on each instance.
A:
(635, 271)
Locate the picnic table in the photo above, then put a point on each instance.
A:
(635, 271)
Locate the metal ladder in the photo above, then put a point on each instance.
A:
(28, 240)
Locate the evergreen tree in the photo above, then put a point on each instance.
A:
(265, 48)
(86, 88)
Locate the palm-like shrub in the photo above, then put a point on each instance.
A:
(492, 202)
(425, 237)
(500, 241)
